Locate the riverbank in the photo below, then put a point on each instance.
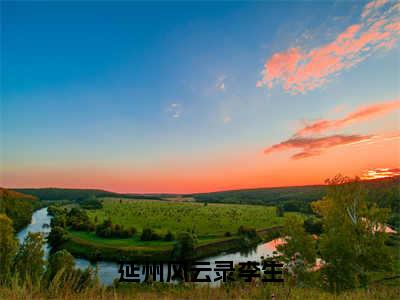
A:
(88, 249)
(108, 271)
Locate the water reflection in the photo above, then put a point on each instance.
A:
(40, 223)
(108, 271)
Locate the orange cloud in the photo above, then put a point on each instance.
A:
(361, 114)
(312, 146)
(299, 70)
(380, 173)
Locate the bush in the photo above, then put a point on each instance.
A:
(280, 211)
(185, 246)
(313, 225)
(108, 230)
(91, 203)
(149, 234)
(249, 232)
(59, 220)
(57, 236)
(169, 236)
(79, 220)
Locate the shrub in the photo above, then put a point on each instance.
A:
(280, 211)
(169, 236)
(79, 220)
(249, 232)
(91, 203)
(148, 234)
(185, 245)
(107, 230)
(57, 236)
(313, 225)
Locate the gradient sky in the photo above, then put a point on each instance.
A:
(195, 97)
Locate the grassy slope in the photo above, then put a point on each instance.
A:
(8, 194)
(209, 222)
(206, 221)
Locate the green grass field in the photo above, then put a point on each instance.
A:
(206, 221)
(209, 222)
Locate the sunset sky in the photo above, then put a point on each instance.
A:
(196, 97)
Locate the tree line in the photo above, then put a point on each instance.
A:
(352, 245)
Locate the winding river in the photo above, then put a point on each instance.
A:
(108, 271)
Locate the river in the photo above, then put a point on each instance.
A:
(108, 271)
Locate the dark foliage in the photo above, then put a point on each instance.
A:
(91, 203)
(109, 230)
(280, 211)
(78, 219)
(169, 236)
(248, 232)
(149, 234)
(77, 195)
(313, 225)
(185, 246)
(57, 236)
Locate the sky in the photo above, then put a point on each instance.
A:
(179, 97)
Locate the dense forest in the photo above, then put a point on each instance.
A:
(76, 195)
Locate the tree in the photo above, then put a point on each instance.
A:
(313, 225)
(60, 261)
(248, 232)
(280, 211)
(8, 248)
(91, 202)
(297, 241)
(298, 251)
(149, 234)
(185, 245)
(169, 236)
(352, 243)
(57, 236)
(29, 262)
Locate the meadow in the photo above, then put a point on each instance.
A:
(215, 226)
(204, 220)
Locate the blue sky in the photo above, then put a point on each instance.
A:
(129, 86)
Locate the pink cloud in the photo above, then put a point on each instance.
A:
(361, 114)
(380, 173)
(299, 70)
(370, 7)
(312, 146)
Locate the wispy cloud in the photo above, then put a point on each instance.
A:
(361, 114)
(226, 119)
(220, 84)
(175, 110)
(312, 146)
(380, 173)
(299, 70)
